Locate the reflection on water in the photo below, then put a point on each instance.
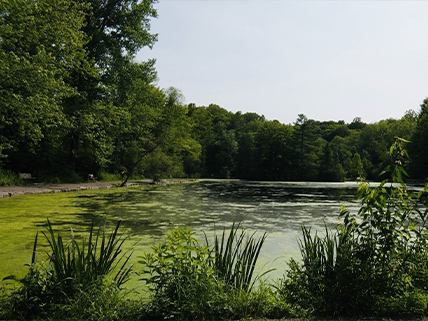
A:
(270, 207)
(147, 212)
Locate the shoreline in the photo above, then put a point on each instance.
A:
(42, 188)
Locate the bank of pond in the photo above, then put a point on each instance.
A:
(366, 257)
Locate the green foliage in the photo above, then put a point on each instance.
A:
(235, 258)
(412, 302)
(418, 149)
(180, 277)
(190, 280)
(101, 301)
(8, 178)
(323, 284)
(74, 274)
(57, 177)
(374, 257)
(158, 165)
(272, 149)
(357, 170)
(107, 177)
(41, 45)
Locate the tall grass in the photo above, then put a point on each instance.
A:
(97, 265)
(190, 280)
(235, 257)
(329, 279)
(80, 265)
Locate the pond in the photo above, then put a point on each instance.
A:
(147, 212)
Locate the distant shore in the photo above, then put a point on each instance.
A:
(42, 188)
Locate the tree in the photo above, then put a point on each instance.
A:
(306, 159)
(419, 147)
(156, 122)
(357, 169)
(330, 167)
(272, 152)
(116, 30)
(41, 46)
(357, 123)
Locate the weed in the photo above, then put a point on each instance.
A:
(73, 272)
(235, 257)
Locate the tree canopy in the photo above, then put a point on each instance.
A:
(73, 101)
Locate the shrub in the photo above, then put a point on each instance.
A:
(108, 177)
(9, 178)
(190, 280)
(375, 256)
(73, 272)
(180, 277)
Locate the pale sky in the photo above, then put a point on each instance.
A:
(330, 60)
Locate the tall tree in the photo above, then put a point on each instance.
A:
(305, 148)
(116, 30)
(41, 47)
(272, 152)
(157, 121)
(419, 147)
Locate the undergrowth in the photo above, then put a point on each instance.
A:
(375, 262)
(8, 178)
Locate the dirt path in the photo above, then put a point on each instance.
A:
(40, 188)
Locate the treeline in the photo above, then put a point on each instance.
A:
(248, 146)
(74, 101)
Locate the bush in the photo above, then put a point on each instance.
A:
(180, 277)
(373, 258)
(189, 280)
(107, 177)
(8, 178)
(75, 275)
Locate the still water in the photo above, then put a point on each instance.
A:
(147, 212)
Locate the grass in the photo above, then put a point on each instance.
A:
(235, 257)
(74, 274)
(95, 258)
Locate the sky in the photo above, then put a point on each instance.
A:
(330, 60)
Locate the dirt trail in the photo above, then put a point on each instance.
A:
(41, 188)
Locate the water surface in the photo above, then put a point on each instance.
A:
(147, 212)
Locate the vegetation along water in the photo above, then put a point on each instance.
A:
(377, 251)
(76, 104)
(147, 212)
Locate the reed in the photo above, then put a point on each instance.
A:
(235, 257)
(77, 265)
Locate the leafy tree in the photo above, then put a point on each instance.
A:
(330, 167)
(116, 29)
(357, 169)
(272, 152)
(306, 159)
(222, 154)
(41, 47)
(357, 123)
(156, 122)
(419, 146)
(334, 129)
(245, 156)
(158, 165)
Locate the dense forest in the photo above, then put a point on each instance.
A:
(74, 100)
